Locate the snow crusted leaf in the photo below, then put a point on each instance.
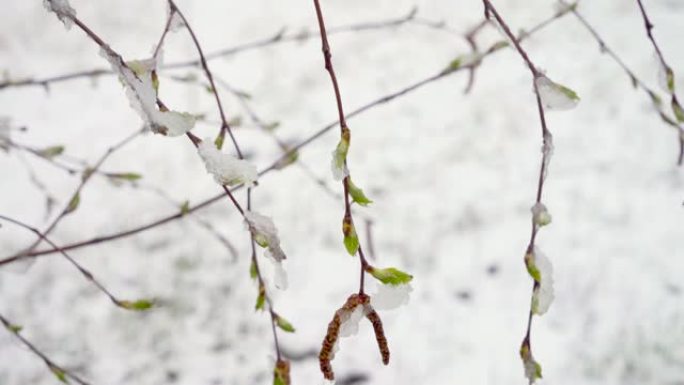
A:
(543, 295)
(390, 275)
(390, 297)
(142, 95)
(139, 305)
(265, 234)
(65, 13)
(339, 157)
(279, 274)
(226, 169)
(533, 370)
(540, 215)
(555, 96)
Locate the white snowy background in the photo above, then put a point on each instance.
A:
(453, 177)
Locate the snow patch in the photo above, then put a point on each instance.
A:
(65, 13)
(226, 169)
(390, 297)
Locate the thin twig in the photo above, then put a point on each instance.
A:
(87, 274)
(278, 38)
(669, 74)
(545, 134)
(56, 370)
(275, 165)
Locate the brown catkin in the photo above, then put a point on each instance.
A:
(374, 319)
(326, 355)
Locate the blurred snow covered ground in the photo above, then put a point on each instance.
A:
(452, 177)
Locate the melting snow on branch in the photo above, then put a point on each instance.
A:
(543, 293)
(226, 169)
(266, 235)
(62, 9)
(540, 214)
(555, 96)
(390, 297)
(141, 90)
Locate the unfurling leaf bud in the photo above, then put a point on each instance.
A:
(390, 275)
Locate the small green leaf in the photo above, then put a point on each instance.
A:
(351, 243)
(261, 239)
(501, 44)
(185, 208)
(390, 275)
(677, 109)
(284, 324)
(351, 240)
(357, 194)
(51, 152)
(219, 140)
(669, 75)
(15, 328)
(59, 373)
(290, 158)
(139, 305)
(261, 298)
(340, 153)
(73, 204)
(129, 176)
(655, 98)
(277, 380)
(253, 273)
(271, 126)
(454, 65)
